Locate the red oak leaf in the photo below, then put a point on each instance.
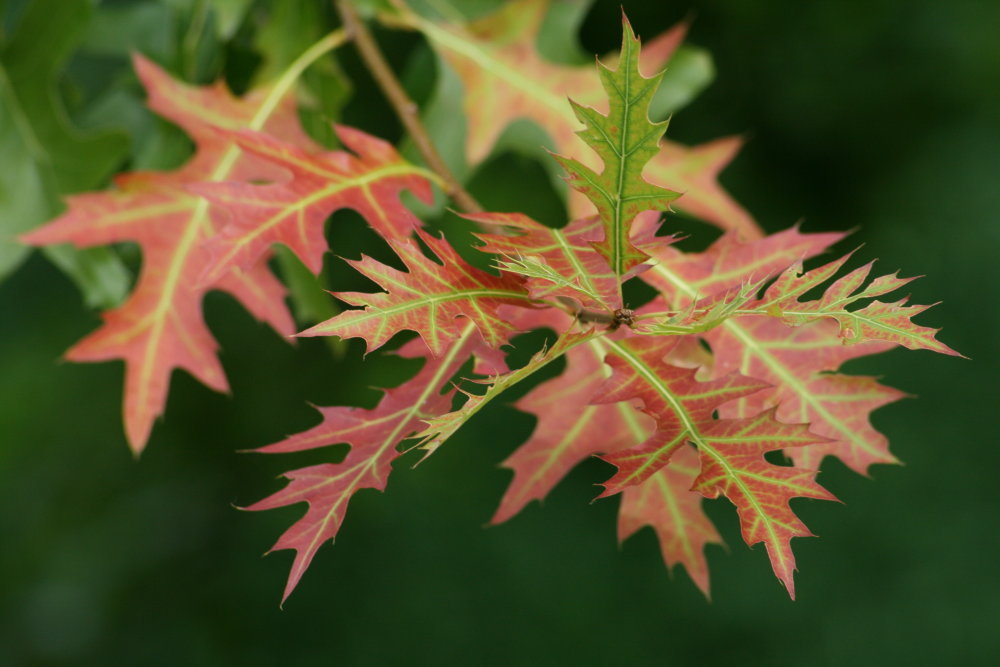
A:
(681, 406)
(556, 262)
(570, 429)
(666, 503)
(160, 326)
(890, 322)
(293, 212)
(373, 436)
(429, 298)
(682, 278)
(798, 362)
(506, 79)
(733, 464)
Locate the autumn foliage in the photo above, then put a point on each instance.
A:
(736, 356)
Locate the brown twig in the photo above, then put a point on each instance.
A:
(405, 108)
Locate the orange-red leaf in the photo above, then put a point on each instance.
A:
(430, 298)
(667, 504)
(890, 322)
(569, 265)
(799, 363)
(733, 464)
(570, 429)
(506, 79)
(160, 326)
(681, 406)
(373, 436)
(681, 278)
(293, 211)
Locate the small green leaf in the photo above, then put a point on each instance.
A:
(625, 140)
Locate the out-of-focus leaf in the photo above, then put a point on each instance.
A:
(44, 154)
(689, 71)
(150, 27)
(282, 28)
(228, 16)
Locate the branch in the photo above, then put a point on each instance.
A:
(405, 108)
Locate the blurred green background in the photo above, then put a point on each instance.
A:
(882, 116)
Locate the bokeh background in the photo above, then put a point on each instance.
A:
(880, 116)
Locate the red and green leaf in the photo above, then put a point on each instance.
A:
(374, 436)
(506, 79)
(433, 299)
(293, 212)
(570, 428)
(666, 503)
(733, 464)
(160, 326)
(799, 363)
(681, 406)
(555, 262)
(625, 140)
(878, 320)
(681, 277)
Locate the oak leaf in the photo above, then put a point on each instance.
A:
(506, 79)
(430, 298)
(293, 211)
(374, 436)
(160, 326)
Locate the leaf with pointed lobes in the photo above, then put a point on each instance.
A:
(440, 429)
(569, 429)
(433, 299)
(160, 326)
(505, 79)
(566, 264)
(800, 364)
(693, 171)
(625, 139)
(368, 180)
(666, 503)
(682, 278)
(878, 320)
(681, 406)
(374, 436)
(733, 464)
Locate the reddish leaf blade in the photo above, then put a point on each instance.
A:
(798, 362)
(373, 436)
(667, 504)
(505, 79)
(733, 464)
(682, 278)
(881, 321)
(569, 429)
(694, 171)
(160, 326)
(682, 406)
(440, 429)
(574, 269)
(369, 180)
(430, 299)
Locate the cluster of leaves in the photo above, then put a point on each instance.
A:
(733, 358)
